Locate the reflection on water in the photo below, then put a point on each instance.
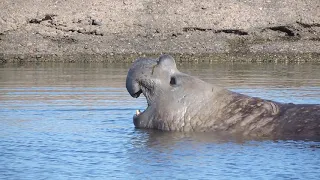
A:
(74, 121)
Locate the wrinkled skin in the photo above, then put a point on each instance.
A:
(179, 102)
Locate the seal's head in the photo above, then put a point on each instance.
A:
(173, 97)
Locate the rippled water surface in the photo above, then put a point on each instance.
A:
(74, 121)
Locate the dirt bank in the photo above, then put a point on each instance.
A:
(112, 30)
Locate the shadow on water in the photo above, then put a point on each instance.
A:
(166, 140)
(200, 155)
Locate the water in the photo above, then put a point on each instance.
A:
(74, 121)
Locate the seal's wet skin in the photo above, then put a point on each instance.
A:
(179, 102)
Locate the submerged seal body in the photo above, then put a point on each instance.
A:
(180, 102)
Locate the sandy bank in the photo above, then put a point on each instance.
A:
(74, 30)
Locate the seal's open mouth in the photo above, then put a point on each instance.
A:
(139, 112)
(136, 95)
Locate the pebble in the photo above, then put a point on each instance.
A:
(96, 22)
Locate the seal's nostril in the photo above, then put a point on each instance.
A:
(137, 94)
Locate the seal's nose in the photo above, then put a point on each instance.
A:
(140, 69)
(133, 87)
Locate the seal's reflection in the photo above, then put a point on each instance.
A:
(150, 149)
(150, 138)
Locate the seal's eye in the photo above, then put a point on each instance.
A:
(173, 81)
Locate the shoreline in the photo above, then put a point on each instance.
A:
(179, 57)
(192, 31)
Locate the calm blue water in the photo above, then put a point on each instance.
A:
(74, 121)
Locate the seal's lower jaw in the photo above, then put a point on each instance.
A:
(140, 118)
(136, 119)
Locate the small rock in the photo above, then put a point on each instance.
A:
(96, 22)
(95, 50)
(21, 57)
(81, 30)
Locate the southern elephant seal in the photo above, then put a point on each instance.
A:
(180, 102)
